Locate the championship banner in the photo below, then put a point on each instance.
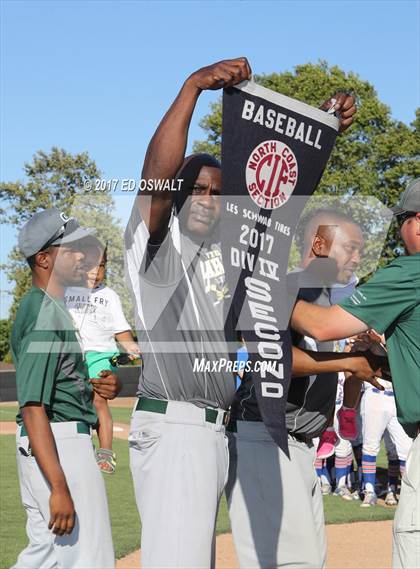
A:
(274, 150)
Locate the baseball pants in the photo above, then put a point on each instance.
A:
(406, 530)
(179, 463)
(89, 546)
(275, 503)
(390, 448)
(379, 414)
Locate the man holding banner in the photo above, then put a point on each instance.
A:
(178, 448)
(184, 315)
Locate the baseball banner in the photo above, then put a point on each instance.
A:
(274, 150)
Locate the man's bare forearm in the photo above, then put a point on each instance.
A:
(62, 513)
(164, 157)
(325, 323)
(305, 318)
(43, 445)
(166, 149)
(306, 362)
(364, 366)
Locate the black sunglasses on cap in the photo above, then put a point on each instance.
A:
(67, 227)
(402, 217)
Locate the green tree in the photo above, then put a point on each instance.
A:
(4, 338)
(57, 179)
(375, 157)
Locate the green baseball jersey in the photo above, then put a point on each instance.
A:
(390, 302)
(50, 368)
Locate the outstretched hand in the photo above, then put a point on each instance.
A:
(368, 367)
(222, 74)
(370, 344)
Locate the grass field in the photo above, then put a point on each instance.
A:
(124, 517)
(119, 414)
(7, 413)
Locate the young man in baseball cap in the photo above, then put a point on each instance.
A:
(61, 486)
(390, 303)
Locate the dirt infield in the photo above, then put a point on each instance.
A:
(122, 402)
(7, 428)
(361, 545)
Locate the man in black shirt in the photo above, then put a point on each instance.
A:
(275, 503)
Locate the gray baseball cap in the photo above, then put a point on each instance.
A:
(409, 199)
(50, 227)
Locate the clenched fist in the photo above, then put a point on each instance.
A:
(220, 75)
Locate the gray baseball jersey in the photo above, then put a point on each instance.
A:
(178, 457)
(178, 288)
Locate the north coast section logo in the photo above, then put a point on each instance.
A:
(271, 174)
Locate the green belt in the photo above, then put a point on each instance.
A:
(231, 427)
(82, 429)
(160, 406)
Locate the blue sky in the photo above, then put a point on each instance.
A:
(98, 76)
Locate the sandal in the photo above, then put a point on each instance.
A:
(107, 460)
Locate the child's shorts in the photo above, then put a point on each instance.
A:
(99, 361)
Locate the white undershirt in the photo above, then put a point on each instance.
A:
(98, 315)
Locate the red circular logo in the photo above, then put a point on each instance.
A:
(271, 174)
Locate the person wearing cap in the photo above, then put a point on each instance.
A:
(389, 303)
(61, 486)
(98, 315)
(178, 448)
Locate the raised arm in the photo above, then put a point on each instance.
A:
(166, 150)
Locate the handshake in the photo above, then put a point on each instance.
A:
(370, 348)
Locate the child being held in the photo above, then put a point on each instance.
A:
(99, 318)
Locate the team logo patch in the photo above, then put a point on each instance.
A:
(271, 174)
